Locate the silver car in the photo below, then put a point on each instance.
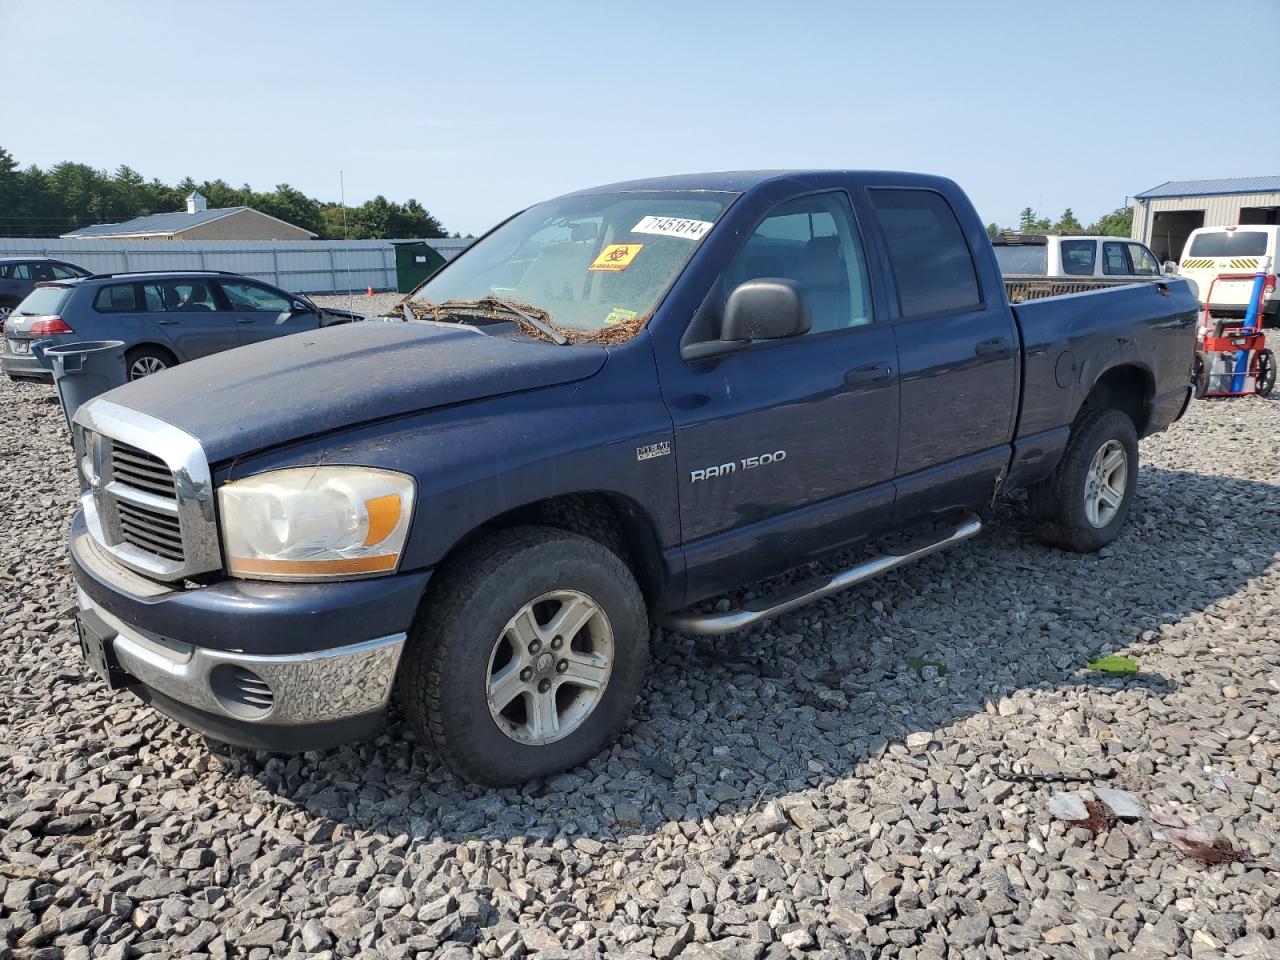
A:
(163, 318)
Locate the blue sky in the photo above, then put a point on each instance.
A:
(480, 108)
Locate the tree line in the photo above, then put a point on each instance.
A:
(49, 203)
(1117, 223)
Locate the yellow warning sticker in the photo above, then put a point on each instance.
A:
(616, 256)
(618, 315)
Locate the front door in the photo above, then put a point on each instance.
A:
(264, 313)
(957, 348)
(786, 449)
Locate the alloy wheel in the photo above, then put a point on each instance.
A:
(145, 366)
(549, 667)
(1105, 483)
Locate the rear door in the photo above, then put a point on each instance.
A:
(192, 315)
(957, 350)
(263, 312)
(786, 448)
(1115, 259)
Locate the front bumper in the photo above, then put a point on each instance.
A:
(284, 667)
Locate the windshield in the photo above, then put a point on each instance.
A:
(1022, 259)
(43, 301)
(1235, 243)
(589, 265)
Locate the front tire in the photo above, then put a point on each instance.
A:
(526, 656)
(1085, 502)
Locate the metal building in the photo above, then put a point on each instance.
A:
(1164, 216)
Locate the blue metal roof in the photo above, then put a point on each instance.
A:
(155, 223)
(1211, 188)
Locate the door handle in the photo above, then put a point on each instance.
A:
(869, 374)
(994, 347)
(245, 320)
(167, 323)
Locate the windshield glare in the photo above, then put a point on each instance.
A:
(590, 262)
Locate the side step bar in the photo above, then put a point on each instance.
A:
(762, 608)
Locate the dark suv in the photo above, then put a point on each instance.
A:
(19, 276)
(163, 318)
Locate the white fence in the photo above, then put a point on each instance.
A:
(299, 266)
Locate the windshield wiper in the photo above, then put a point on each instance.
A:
(550, 331)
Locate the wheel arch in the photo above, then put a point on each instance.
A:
(613, 519)
(1128, 387)
(156, 345)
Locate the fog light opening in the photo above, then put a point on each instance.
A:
(241, 692)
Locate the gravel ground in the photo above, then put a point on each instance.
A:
(869, 776)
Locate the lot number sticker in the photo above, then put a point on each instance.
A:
(616, 256)
(672, 227)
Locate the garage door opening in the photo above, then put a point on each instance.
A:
(1257, 215)
(1169, 232)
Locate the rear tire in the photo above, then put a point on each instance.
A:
(1084, 503)
(473, 681)
(144, 361)
(1199, 375)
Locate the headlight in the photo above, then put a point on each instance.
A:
(315, 523)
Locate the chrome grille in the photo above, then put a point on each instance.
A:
(148, 493)
(140, 469)
(150, 530)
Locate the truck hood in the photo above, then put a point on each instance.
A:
(298, 386)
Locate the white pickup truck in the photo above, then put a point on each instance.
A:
(1040, 265)
(1235, 251)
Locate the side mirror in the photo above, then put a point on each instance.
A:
(301, 306)
(1170, 268)
(769, 308)
(765, 309)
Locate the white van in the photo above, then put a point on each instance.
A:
(1211, 251)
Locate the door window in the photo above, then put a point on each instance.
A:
(117, 298)
(186, 296)
(1115, 260)
(21, 271)
(813, 241)
(932, 264)
(1079, 257)
(66, 273)
(250, 296)
(1144, 261)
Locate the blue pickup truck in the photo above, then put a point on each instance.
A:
(615, 405)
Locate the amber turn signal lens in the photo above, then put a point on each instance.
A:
(384, 514)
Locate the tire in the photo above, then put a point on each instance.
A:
(1199, 375)
(143, 361)
(465, 636)
(1061, 503)
(1266, 377)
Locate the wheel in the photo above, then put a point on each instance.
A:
(4, 314)
(526, 656)
(1265, 380)
(1199, 375)
(144, 361)
(1085, 502)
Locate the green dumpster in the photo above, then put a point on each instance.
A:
(415, 261)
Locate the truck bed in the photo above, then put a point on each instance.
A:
(1023, 287)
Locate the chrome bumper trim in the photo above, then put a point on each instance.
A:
(315, 687)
